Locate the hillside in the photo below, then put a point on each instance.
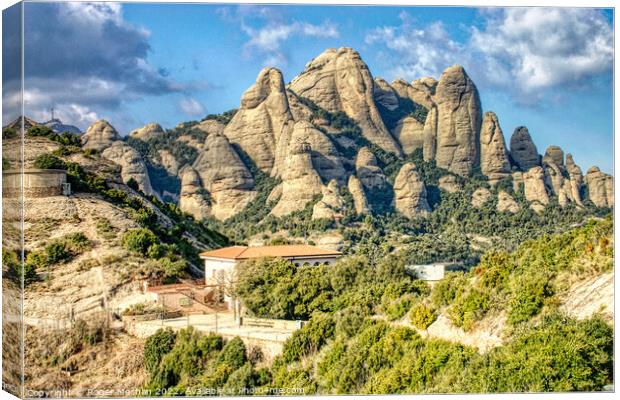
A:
(503, 327)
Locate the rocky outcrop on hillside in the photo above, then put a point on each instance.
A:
(410, 134)
(300, 181)
(368, 170)
(410, 193)
(131, 163)
(523, 150)
(259, 122)
(480, 197)
(359, 197)
(147, 132)
(331, 204)
(554, 154)
(458, 123)
(168, 161)
(225, 177)
(325, 157)
(420, 91)
(99, 136)
(192, 198)
(449, 184)
(494, 161)
(385, 95)
(210, 126)
(534, 187)
(338, 80)
(506, 202)
(430, 135)
(600, 187)
(576, 179)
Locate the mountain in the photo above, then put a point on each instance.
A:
(342, 115)
(57, 126)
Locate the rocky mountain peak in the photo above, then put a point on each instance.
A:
(458, 122)
(523, 150)
(554, 154)
(338, 80)
(494, 160)
(100, 135)
(147, 132)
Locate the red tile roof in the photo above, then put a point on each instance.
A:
(284, 251)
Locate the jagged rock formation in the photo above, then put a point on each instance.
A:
(430, 135)
(359, 197)
(494, 161)
(259, 122)
(99, 136)
(534, 187)
(147, 132)
(385, 95)
(505, 202)
(131, 163)
(517, 181)
(555, 180)
(410, 134)
(449, 184)
(338, 80)
(192, 198)
(325, 157)
(167, 160)
(275, 194)
(420, 91)
(368, 170)
(300, 181)
(210, 126)
(458, 123)
(480, 197)
(523, 150)
(225, 177)
(555, 155)
(331, 204)
(576, 179)
(600, 187)
(410, 193)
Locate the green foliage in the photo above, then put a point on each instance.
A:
(12, 268)
(233, 354)
(132, 183)
(398, 308)
(224, 117)
(9, 133)
(49, 161)
(422, 315)
(156, 347)
(469, 308)
(529, 292)
(139, 240)
(6, 164)
(309, 339)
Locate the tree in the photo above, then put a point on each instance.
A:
(156, 347)
(49, 161)
(139, 240)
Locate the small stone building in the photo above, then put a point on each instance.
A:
(36, 182)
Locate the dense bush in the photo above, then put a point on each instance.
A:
(139, 240)
(49, 161)
(422, 315)
(309, 339)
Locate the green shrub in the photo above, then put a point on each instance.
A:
(469, 308)
(139, 240)
(233, 354)
(156, 347)
(132, 183)
(529, 292)
(398, 308)
(309, 339)
(56, 252)
(422, 315)
(447, 289)
(49, 161)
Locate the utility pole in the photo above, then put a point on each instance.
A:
(52, 113)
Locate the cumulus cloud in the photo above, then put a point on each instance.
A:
(544, 47)
(84, 56)
(191, 107)
(268, 32)
(415, 51)
(527, 51)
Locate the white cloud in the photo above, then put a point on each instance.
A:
(544, 47)
(524, 50)
(192, 107)
(268, 31)
(416, 51)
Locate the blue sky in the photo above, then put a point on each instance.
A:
(547, 69)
